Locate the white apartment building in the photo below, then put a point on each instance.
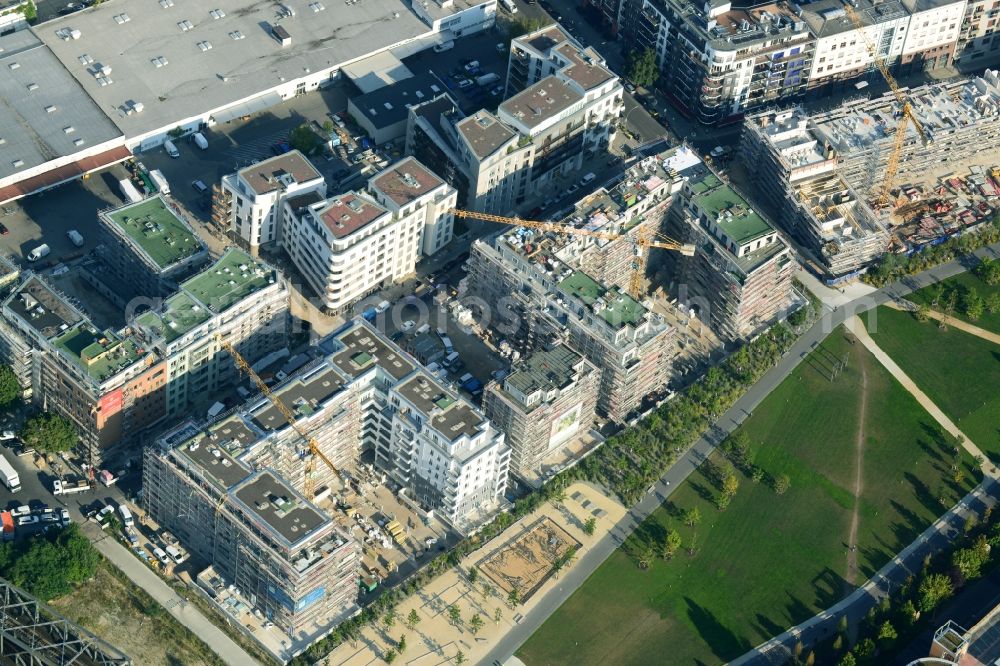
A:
(355, 243)
(250, 200)
(935, 28)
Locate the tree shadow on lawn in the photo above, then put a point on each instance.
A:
(651, 533)
(828, 587)
(673, 510)
(933, 448)
(924, 494)
(765, 626)
(703, 491)
(724, 643)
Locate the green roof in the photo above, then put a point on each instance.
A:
(544, 370)
(732, 214)
(179, 314)
(101, 355)
(157, 231)
(229, 280)
(619, 309)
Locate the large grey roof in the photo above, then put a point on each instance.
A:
(195, 81)
(32, 80)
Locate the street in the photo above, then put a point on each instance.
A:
(702, 448)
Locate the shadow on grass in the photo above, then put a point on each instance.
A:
(724, 643)
(923, 494)
(829, 588)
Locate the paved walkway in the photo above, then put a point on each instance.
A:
(185, 613)
(954, 322)
(857, 327)
(908, 562)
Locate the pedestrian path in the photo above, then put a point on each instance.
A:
(953, 322)
(856, 326)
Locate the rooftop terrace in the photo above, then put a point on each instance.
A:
(232, 278)
(729, 211)
(545, 370)
(42, 309)
(614, 306)
(101, 355)
(179, 314)
(156, 231)
(215, 451)
(363, 349)
(450, 416)
(275, 502)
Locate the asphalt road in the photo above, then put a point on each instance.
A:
(701, 449)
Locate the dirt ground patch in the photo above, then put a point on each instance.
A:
(125, 616)
(526, 563)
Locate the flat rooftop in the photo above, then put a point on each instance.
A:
(156, 232)
(484, 133)
(732, 214)
(216, 451)
(275, 502)
(585, 69)
(42, 309)
(390, 104)
(827, 17)
(229, 280)
(613, 305)
(217, 55)
(363, 349)
(405, 181)
(179, 314)
(539, 102)
(544, 370)
(347, 213)
(45, 113)
(101, 355)
(302, 395)
(271, 174)
(449, 415)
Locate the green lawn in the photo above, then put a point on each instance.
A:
(768, 561)
(962, 283)
(958, 371)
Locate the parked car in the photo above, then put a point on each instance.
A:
(407, 325)
(199, 187)
(496, 91)
(464, 83)
(161, 556)
(7, 436)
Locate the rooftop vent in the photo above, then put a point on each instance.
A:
(205, 46)
(185, 25)
(216, 14)
(166, 4)
(121, 19)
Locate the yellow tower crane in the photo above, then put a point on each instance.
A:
(643, 240)
(314, 449)
(897, 145)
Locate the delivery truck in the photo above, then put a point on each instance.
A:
(200, 140)
(129, 191)
(42, 250)
(160, 181)
(9, 475)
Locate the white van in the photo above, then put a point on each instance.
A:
(509, 6)
(39, 252)
(588, 179)
(445, 46)
(75, 237)
(126, 515)
(176, 555)
(171, 149)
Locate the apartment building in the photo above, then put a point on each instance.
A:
(356, 243)
(237, 299)
(250, 201)
(106, 383)
(718, 61)
(740, 278)
(147, 249)
(976, 40)
(796, 174)
(960, 117)
(547, 400)
(534, 299)
(563, 109)
(285, 555)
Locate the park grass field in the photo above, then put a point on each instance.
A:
(963, 282)
(958, 371)
(769, 561)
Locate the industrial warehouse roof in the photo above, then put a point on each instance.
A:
(45, 113)
(229, 280)
(180, 58)
(405, 181)
(159, 234)
(390, 104)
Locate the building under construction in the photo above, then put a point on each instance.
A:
(960, 118)
(796, 174)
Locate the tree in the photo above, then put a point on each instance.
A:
(303, 138)
(847, 660)
(49, 433)
(988, 271)
(413, 619)
(810, 658)
(644, 557)
(757, 474)
(497, 615)
(641, 68)
(722, 501)
(992, 302)
(514, 597)
(933, 589)
(473, 575)
(590, 526)
(487, 588)
(865, 648)
(671, 544)
(49, 566)
(10, 388)
(454, 614)
(838, 643)
(842, 624)
(475, 624)
(459, 658)
(887, 632)
(782, 483)
(692, 517)
(390, 618)
(974, 305)
(730, 485)
(923, 312)
(401, 644)
(390, 656)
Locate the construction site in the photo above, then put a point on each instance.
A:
(896, 173)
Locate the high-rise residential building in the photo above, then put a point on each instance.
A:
(147, 248)
(238, 299)
(289, 558)
(795, 173)
(563, 109)
(250, 201)
(740, 278)
(548, 399)
(976, 40)
(355, 243)
(718, 61)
